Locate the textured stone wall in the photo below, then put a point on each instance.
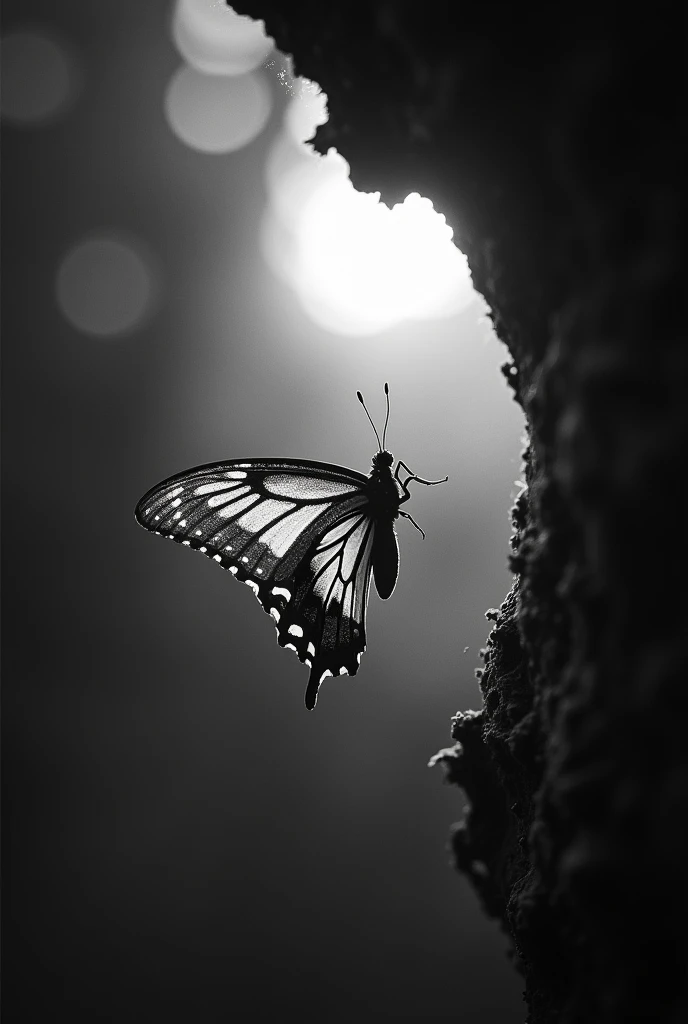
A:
(554, 142)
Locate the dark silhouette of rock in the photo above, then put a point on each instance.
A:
(553, 139)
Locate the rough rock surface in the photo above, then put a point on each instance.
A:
(553, 139)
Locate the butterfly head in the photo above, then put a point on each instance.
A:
(382, 459)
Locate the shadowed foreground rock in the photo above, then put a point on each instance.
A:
(552, 140)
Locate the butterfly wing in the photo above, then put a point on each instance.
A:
(330, 600)
(298, 533)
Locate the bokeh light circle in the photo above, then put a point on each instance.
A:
(217, 114)
(106, 285)
(215, 40)
(39, 78)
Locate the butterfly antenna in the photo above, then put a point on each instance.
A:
(359, 396)
(384, 429)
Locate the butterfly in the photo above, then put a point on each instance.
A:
(304, 536)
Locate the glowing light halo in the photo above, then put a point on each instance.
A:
(357, 266)
(307, 110)
(295, 173)
(215, 40)
(396, 264)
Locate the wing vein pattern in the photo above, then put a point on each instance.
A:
(298, 533)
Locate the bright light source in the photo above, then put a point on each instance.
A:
(39, 78)
(357, 266)
(215, 40)
(363, 259)
(217, 114)
(307, 110)
(105, 285)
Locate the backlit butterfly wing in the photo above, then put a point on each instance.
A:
(298, 533)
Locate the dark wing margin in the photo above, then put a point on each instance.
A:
(296, 532)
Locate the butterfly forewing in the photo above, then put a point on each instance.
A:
(298, 533)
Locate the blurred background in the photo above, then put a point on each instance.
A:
(185, 281)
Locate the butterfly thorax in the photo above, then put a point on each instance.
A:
(383, 490)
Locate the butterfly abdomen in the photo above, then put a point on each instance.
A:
(384, 498)
(385, 558)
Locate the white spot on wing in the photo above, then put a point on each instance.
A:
(325, 674)
(275, 614)
(343, 671)
(259, 571)
(187, 543)
(277, 591)
(311, 651)
(217, 558)
(198, 533)
(176, 515)
(253, 586)
(293, 486)
(233, 569)
(244, 558)
(176, 503)
(295, 630)
(176, 491)
(290, 647)
(203, 550)
(234, 474)
(183, 522)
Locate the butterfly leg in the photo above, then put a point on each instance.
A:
(407, 516)
(412, 476)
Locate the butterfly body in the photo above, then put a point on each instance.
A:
(304, 536)
(385, 498)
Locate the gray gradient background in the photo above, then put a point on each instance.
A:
(182, 837)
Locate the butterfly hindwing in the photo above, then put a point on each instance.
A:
(298, 533)
(325, 620)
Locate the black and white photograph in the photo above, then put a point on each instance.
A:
(378, 308)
